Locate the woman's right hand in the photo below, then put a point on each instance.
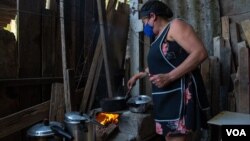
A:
(131, 82)
(133, 79)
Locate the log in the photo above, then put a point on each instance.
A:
(102, 133)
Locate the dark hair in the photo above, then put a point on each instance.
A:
(157, 7)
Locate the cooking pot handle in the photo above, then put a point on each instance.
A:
(60, 132)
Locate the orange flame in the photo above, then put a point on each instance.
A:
(107, 118)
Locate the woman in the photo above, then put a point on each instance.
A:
(178, 91)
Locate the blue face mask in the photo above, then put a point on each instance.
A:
(148, 30)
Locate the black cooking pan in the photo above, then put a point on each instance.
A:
(116, 103)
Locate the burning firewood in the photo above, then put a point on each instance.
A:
(102, 133)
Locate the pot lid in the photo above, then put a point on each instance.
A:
(43, 129)
(140, 99)
(75, 117)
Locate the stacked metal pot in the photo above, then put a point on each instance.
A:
(74, 128)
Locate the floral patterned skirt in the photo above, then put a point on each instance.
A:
(192, 117)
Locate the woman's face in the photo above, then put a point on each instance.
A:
(148, 19)
(145, 20)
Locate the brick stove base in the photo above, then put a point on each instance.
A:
(133, 127)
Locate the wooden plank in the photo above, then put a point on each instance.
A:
(29, 38)
(29, 49)
(239, 17)
(223, 52)
(17, 121)
(215, 81)
(246, 30)
(29, 81)
(64, 60)
(229, 7)
(91, 75)
(232, 95)
(243, 105)
(57, 103)
(71, 88)
(48, 50)
(234, 38)
(104, 47)
(10, 3)
(225, 27)
(8, 13)
(226, 37)
(96, 80)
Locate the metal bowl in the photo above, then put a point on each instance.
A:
(139, 104)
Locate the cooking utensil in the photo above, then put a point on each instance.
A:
(139, 104)
(77, 125)
(48, 131)
(116, 103)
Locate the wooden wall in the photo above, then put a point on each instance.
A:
(27, 83)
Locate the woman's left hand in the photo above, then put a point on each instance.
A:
(160, 80)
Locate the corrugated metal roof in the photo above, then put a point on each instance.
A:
(203, 15)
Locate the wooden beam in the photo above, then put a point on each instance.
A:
(104, 47)
(64, 60)
(20, 120)
(9, 3)
(29, 81)
(8, 14)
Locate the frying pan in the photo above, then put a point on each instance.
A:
(116, 103)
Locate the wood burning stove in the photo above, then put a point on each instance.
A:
(130, 127)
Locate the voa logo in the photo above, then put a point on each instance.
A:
(236, 132)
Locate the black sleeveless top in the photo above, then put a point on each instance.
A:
(168, 101)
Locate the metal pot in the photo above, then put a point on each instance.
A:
(116, 103)
(48, 131)
(77, 125)
(113, 104)
(139, 104)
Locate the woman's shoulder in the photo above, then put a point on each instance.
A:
(179, 22)
(178, 27)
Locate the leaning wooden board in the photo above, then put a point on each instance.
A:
(242, 101)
